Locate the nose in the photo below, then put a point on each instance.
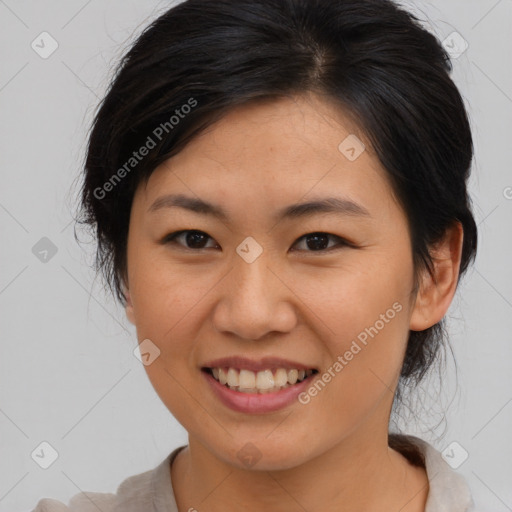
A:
(254, 301)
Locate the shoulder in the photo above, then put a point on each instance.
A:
(82, 502)
(449, 490)
(135, 493)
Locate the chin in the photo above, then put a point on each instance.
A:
(265, 455)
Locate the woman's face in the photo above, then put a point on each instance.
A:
(256, 291)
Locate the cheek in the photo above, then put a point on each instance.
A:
(364, 328)
(161, 292)
(166, 310)
(167, 305)
(359, 378)
(343, 302)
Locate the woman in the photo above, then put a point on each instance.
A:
(278, 189)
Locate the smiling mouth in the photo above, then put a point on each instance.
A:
(266, 381)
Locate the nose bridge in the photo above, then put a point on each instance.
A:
(251, 274)
(254, 302)
(252, 286)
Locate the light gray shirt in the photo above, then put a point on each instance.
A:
(152, 490)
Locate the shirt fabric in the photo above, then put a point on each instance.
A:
(152, 490)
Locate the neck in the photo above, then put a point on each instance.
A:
(361, 473)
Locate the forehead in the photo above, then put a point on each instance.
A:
(279, 150)
(288, 129)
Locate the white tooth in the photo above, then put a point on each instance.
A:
(281, 377)
(265, 380)
(223, 378)
(215, 372)
(293, 375)
(247, 379)
(232, 378)
(302, 374)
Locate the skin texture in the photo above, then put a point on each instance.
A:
(293, 301)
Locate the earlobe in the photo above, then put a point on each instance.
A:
(436, 292)
(130, 314)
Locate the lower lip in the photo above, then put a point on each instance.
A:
(256, 402)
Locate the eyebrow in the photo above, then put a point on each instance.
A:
(338, 205)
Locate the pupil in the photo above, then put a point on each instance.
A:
(316, 244)
(193, 237)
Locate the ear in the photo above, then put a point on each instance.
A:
(130, 314)
(436, 293)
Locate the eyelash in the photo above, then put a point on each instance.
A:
(171, 239)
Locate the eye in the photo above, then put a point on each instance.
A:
(318, 241)
(195, 239)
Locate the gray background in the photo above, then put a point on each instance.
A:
(67, 371)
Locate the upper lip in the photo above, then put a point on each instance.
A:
(242, 363)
